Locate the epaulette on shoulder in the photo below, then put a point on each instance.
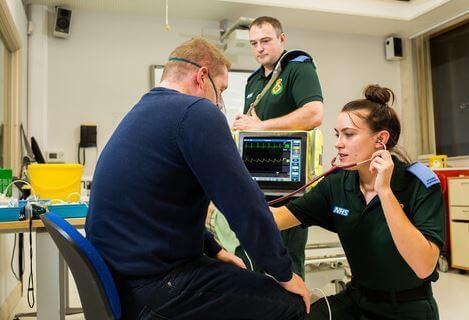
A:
(301, 59)
(304, 59)
(424, 174)
(296, 56)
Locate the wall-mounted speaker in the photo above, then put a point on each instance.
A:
(393, 46)
(63, 20)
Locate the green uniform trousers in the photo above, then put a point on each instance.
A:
(351, 305)
(294, 240)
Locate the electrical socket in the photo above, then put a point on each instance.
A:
(55, 156)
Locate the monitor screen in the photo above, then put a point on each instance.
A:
(273, 159)
(276, 161)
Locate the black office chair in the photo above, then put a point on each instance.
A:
(95, 284)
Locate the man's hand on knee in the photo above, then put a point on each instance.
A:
(298, 286)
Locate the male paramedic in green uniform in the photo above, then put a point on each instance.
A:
(292, 102)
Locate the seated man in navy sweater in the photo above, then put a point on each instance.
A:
(170, 155)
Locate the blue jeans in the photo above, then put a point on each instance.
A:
(208, 289)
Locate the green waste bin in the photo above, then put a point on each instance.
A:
(5, 179)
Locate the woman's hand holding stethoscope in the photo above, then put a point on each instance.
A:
(383, 166)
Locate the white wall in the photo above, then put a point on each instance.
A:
(7, 281)
(101, 71)
(37, 115)
(346, 64)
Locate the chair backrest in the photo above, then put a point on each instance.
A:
(96, 287)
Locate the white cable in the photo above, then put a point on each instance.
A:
(33, 195)
(18, 180)
(327, 301)
(249, 259)
(51, 201)
(67, 198)
(322, 292)
(60, 201)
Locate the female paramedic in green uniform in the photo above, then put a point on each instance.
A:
(389, 216)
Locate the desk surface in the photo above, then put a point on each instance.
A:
(23, 226)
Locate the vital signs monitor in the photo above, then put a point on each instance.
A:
(281, 161)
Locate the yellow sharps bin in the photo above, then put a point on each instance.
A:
(56, 181)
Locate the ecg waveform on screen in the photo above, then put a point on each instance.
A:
(266, 145)
(267, 157)
(263, 160)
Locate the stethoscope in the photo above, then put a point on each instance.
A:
(334, 168)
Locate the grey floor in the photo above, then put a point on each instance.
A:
(451, 293)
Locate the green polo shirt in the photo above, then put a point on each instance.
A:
(338, 205)
(297, 85)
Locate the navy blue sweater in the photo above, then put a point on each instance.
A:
(153, 181)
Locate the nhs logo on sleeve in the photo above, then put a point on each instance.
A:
(341, 211)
